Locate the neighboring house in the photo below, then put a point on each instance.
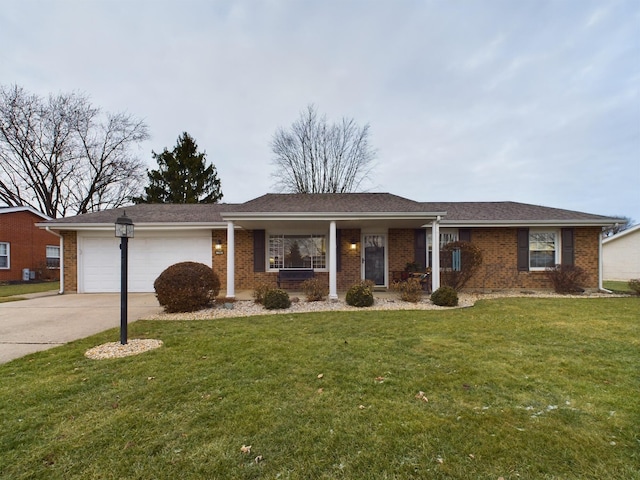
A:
(343, 237)
(26, 251)
(621, 255)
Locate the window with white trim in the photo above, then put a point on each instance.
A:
(447, 235)
(297, 251)
(544, 249)
(4, 255)
(53, 256)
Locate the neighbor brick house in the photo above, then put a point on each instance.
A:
(26, 249)
(343, 238)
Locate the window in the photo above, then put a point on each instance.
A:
(4, 255)
(543, 249)
(297, 251)
(446, 236)
(53, 256)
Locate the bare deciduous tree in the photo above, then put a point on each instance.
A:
(316, 157)
(62, 156)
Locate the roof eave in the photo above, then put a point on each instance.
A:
(527, 223)
(279, 216)
(100, 227)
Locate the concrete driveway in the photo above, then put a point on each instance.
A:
(44, 322)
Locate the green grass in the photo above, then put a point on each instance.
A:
(26, 288)
(617, 286)
(517, 388)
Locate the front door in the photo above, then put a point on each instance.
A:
(374, 259)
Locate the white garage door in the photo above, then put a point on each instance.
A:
(149, 255)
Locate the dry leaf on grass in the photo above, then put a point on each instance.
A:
(246, 449)
(422, 396)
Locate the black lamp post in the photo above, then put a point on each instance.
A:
(124, 230)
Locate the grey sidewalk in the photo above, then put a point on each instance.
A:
(44, 322)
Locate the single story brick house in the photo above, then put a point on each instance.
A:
(26, 251)
(343, 238)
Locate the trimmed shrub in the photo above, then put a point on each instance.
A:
(360, 295)
(445, 297)
(260, 291)
(276, 299)
(567, 278)
(314, 289)
(410, 291)
(186, 287)
(469, 259)
(634, 285)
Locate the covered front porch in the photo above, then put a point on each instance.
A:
(346, 250)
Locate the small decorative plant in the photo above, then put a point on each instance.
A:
(412, 267)
(260, 291)
(315, 289)
(360, 294)
(410, 291)
(276, 299)
(567, 278)
(445, 297)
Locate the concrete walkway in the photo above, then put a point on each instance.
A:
(45, 321)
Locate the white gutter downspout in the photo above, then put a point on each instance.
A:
(600, 265)
(61, 291)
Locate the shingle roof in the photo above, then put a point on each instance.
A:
(508, 212)
(153, 213)
(384, 203)
(330, 202)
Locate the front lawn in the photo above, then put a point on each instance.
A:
(514, 388)
(25, 288)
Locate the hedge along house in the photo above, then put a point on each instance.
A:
(343, 238)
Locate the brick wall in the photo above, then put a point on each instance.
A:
(28, 246)
(70, 259)
(499, 268)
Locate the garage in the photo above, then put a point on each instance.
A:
(149, 254)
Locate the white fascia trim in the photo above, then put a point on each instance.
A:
(524, 223)
(328, 216)
(143, 227)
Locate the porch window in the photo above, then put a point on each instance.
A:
(4, 255)
(53, 256)
(446, 236)
(297, 251)
(543, 249)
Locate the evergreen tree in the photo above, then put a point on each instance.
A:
(182, 176)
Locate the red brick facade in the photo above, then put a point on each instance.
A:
(27, 246)
(498, 271)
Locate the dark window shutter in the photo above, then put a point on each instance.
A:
(339, 249)
(259, 251)
(523, 249)
(464, 234)
(420, 247)
(568, 247)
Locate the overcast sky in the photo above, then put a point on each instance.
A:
(532, 101)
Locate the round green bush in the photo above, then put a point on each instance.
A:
(186, 287)
(276, 299)
(360, 295)
(445, 297)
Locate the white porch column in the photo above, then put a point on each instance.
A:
(333, 262)
(231, 264)
(435, 254)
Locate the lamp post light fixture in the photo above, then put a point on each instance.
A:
(124, 231)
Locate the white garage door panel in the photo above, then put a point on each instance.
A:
(148, 257)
